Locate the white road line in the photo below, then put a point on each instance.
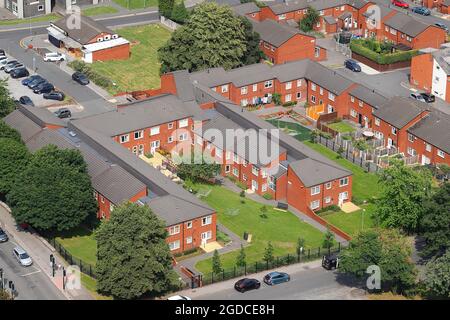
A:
(30, 273)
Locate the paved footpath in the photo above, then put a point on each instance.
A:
(39, 250)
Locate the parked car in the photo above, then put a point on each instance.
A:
(4, 63)
(19, 73)
(10, 64)
(54, 95)
(352, 65)
(81, 78)
(34, 83)
(178, 297)
(330, 261)
(442, 26)
(422, 11)
(417, 96)
(26, 100)
(276, 278)
(3, 236)
(428, 97)
(10, 68)
(63, 113)
(247, 284)
(400, 3)
(3, 57)
(22, 256)
(45, 87)
(2, 52)
(26, 81)
(54, 56)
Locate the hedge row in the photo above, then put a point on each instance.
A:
(95, 77)
(389, 58)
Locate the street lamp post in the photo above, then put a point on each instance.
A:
(362, 219)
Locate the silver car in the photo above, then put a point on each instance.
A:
(3, 236)
(8, 69)
(22, 256)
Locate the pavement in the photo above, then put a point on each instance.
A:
(35, 282)
(309, 281)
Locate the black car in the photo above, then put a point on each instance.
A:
(26, 81)
(3, 236)
(45, 87)
(2, 52)
(247, 284)
(330, 261)
(33, 84)
(352, 65)
(19, 73)
(54, 95)
(63, 113)
(428, 97)
(81, 78)
(26, 101)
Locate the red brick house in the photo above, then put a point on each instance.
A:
(362, 102)
(90, 41)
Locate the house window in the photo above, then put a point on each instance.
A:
(428, 147)
(174, 230)
(316, 52)
(134, 150)
(343, 182)
(206, 235)
(281, 17)
(353, 113)
(305, 11)
(386, 28)
(313, 99)
(245, 163)
(255, 87)
(228, 155)
(174, 245)
(189, 225)
(314, 204)
(331, 96)
(315, 190)
(236, 172)
(224, 88)
(266, 45)
(321, 12)
(107, 37)
(227, 168)
(327, 200)
(102, 199)
(268, 84)
(328, 185)
(394, 130)
(244, 177)
(124, 138)
(138, 135)
(288, 85)
(299, 83)
(360, 103)
(408, 38)
(318, 24)
(321, 90)
(183, 123)
(188, 240)
(441, 153)
(288, 98)
(255, 171)
(410, 137)
(154, 131)
(244, 90)
(411, 151)
(393, 31)
(377, 121)
(170, 139)
(206, 220)
(244, 102)
(218, 153)
(299, 95)
(183, 137)
(170, 125)
(264, 187)
(352, 99)
(40, 8)
(313, 86)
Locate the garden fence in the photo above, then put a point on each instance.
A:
(227, 274)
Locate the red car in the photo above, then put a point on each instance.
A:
(400, 3)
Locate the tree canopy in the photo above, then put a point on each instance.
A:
(179, 13)
(309, 20)
(212, 37)
(437, 276)
(14, 157)
(404, 191)
(253, 53)
(54, 191)
(133, 256)
(200, 169)
(8, 132)
(7, 104)
(165, 7)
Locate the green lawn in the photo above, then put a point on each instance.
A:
(48, 17)
(341, 127)
(281, 228)
(141, 70)
(80, 243)
(352, 223)
(137, 4)
(95, 11)
(365, 185)
(294, 129)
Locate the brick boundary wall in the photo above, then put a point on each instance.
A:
(323, 222)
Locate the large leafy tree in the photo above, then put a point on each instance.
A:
(253, 54)
(212, 37)
(8, 132)
(133, 256)
(180, 13)
(386, 249)
(404, 192)
(199, 169)
(309, 20)
(166, 7)
(435, 224)
(7, 104)
(54, 191)
(14, 157)
(437, 276)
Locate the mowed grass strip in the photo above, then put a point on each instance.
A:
(136, 4)
(341, 127)
(281, 228)
(80, 243)
(352, 223)
(141, 70)
(48, 17)
(95, 11)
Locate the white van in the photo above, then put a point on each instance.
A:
(54, 56)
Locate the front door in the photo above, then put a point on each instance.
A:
(342, 197)
(425, 160)
(389, 142)
(254, 185)
(360, 118)
(153, 146)
(330, 109)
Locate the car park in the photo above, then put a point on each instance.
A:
(81, 78)
(22, 256)
(3, 236)
(26, 101)
(400, 3)
(421, 10)
(33, 84)
(63, 113)
(428, 97)
(54, 95)
(45, 87)
(352, 65)
(19, 73)
(247, 284)
(54, 56)
(417, 96)
(275, 277)
(30, 78)
(330, 261)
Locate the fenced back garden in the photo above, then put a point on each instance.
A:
(294, 129)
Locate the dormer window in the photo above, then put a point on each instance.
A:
(115, 36)
(99, 39)
(108, 37)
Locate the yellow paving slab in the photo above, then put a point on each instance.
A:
(349, 207)
(211, 246)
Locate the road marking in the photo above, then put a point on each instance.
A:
(30, 273)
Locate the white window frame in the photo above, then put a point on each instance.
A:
(343, 182)
(174, 230)
(244, 90)
(315, 190)
(268, 84)
(124, 138)
(183, 123)
(327, 199)
(189, 240)
(154, 131)
(440, 153)
(138, 135)
(313, 86)
(377, 122)
(189, 225)
(175, 245)
(224, 88)
(328, 185)
(288, 85)
(255, 87)
(170, 125)
(314, 204)
(206, 220)
(299, 83)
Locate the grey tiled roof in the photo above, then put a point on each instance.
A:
(245, 8)
(41, 116)
(313, 172)
(292, 5)
(369, 96)
(330, 19)
(327, 78)
(275, 33)
(434, 129)
(398, 111)
(406, 24)
(27, 127)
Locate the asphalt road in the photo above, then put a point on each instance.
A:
(92, 102)
(30, 282)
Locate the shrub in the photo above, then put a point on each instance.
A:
(276, 98)
(242, 194)
(372, 53)
(290, 103)
(325, 135)
(357, 201)
(241, 185)
(267, 196)
(333, 208)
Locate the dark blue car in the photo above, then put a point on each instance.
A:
(276, 278)
(26, 81)
(422, 11)
(352, 65)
